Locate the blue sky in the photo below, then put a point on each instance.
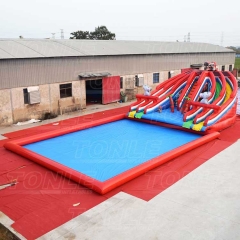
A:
(156, 20)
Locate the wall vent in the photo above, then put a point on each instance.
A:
(33, 95)
(139, 80)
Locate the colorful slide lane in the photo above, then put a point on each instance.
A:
(219, 109)
(160, 95)
(179, 102)
(219, 97)
(227, 111)
(205, 81)
(195, 87)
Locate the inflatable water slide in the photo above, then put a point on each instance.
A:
(201, 100)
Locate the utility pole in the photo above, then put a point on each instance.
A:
(62, 34)
(188, 38)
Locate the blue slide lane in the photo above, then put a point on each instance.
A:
(166, 116)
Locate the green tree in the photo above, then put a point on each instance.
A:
(100, 33)
(236, 49)
(80, 35)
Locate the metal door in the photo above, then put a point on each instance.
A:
(110, 89)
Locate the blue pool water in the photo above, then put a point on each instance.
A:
(107, 150)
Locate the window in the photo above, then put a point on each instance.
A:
(121, 82)
(25, 96)
(230, 68)
(223, 68)
(156, 78)
(65, 90)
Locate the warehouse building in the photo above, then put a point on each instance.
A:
(46, 77)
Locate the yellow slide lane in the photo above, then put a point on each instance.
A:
(228, 92)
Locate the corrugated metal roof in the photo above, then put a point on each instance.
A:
(41, 48)
(15, 49)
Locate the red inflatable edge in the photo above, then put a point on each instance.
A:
(108, 185)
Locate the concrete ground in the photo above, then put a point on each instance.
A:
(204, 205)
(90, 109)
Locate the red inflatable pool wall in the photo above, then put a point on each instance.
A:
(108, 185)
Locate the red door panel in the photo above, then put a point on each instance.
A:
(110, 89)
